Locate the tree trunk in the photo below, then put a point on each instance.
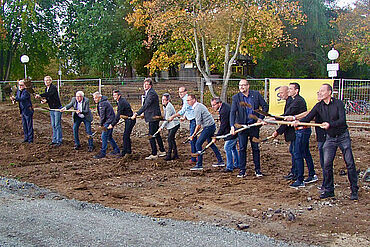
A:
(230, 63)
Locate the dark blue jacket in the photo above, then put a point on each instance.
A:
(225, 121)
(105, 111)
(25, 104)
(123, 108)
(238, 113)
(150, 106)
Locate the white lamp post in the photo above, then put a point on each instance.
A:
(25, 59)
(332, 67)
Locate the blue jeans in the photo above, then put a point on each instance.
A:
(105, 137)
(192, 126)
(232, 156)
(207, 134)
(291, 151)
(56, 124)
(330, 148)
(302, 151)
(243, 141)
(76, 125)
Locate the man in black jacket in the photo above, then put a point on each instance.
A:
(124, 109)
(332, 113)
(52, 98)
(232, 156)
(150, 109)
(82, 115)
(106, 114)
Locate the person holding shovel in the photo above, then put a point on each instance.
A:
(82, 115)
(26, 110)
(172, 127)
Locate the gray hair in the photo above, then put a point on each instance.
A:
(167, 95)
(80, 93)
(97, 94)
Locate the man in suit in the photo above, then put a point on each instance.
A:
(124, 109)
(150, 109)
(232, 156)
(82, 115)
(52, 98)
(240, 114)
(26, 110)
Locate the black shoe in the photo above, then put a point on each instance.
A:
(99, 156)
(258, 173)
(354, 195)
(114, 153)
(90, 149)
(326, 194)
(77, 147)
(175, 157)
(167, 158)
(122, 154)
(289, 176)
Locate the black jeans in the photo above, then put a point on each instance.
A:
(172, 142)
(330, 148)
(153, 127)
(126, 146)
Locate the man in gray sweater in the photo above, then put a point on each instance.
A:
(203, 118)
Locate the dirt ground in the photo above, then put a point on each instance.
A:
(170, 190)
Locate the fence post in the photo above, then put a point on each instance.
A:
(266, 88)
(58, 85)
(99, 85)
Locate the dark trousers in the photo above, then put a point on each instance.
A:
(330, 148)
(302, 152)
(126, 146)
(243, 142)
(293, 170)
(320, 146)
(153, 127)
(27, 122)
(172, 142)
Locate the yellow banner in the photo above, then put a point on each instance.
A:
(309, 89)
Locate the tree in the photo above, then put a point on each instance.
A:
(97, 37)
(308, 57)
(216, 30)
(353, 42)
(30, 29)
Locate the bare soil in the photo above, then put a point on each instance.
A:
(169, 189)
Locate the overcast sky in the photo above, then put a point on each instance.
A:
(342, 3)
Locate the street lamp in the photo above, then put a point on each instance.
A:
(25, 59)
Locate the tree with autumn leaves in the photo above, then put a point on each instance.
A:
(213, 31)
(353, 41)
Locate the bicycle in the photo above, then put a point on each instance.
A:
(356, 107)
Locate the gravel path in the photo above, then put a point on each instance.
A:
(32, 216)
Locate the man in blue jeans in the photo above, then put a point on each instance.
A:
(301, 149)
(107, 116)
(240, 114)
(232, 156)
(203, 118)
(51, 96)
(82, 115)
(188, 112)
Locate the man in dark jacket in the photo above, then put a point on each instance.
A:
(240, 114)
(232, 156)
(124, 109)
(26, 110)
(107, 116)
(150, 109)
(51, 96)
(83, 114)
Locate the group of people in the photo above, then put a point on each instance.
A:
(329, 112)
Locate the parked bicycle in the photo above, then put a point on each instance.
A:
(356, 106)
